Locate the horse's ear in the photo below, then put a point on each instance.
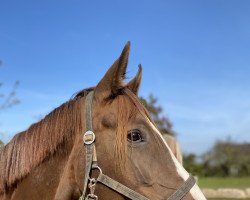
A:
(134, 84)
(112, 83)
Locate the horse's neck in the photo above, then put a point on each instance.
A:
(44, 179)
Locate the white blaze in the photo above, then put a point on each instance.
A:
(195, 191)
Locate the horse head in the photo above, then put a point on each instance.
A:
(129, 147)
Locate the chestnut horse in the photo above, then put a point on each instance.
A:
(47, 161)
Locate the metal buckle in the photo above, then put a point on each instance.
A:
(89, 137)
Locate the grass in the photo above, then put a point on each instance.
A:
(215, 182)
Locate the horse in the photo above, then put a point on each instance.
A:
(174, 146)
(56, 158)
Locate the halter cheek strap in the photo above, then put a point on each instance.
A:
(88, 139)
(91, 164)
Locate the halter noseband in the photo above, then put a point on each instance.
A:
(91, 163)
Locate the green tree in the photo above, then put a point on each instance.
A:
(191, 164)
(156, 111)
(228, 158)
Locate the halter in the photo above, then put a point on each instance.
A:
(91, 164)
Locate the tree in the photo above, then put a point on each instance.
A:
(228, 158)
(163, 122)
(191, 164)
(8, 100)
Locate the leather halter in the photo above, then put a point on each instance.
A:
(91, 164)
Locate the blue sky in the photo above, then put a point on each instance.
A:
(195, 58)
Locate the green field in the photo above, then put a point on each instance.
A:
(214, 183)
(226, 199)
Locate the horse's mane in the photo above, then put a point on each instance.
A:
(30, 148)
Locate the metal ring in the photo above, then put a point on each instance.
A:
(89, 137)
(99, 169)
(92, 197)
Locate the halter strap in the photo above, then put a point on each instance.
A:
(89, 147)
(120, 188)
(184, 189)
(91, 163)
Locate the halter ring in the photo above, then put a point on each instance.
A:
(99, 169)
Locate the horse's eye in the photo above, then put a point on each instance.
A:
(135, 136)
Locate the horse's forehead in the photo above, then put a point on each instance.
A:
(121, 109)
(122, 102)
(109, 120)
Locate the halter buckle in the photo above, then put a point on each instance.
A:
(89, 137)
